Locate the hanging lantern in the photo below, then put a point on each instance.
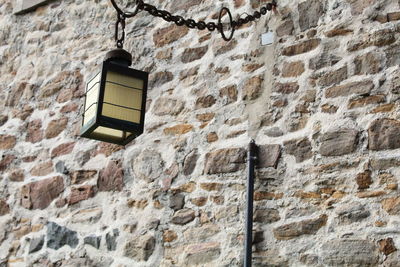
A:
(115, 101)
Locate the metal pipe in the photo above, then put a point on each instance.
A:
(251, 160)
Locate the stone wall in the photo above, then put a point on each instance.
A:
(322, 103)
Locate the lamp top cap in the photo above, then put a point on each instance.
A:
(119, 56)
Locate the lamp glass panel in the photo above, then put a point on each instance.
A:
(123, 97)
(105, 133)
(92, 95)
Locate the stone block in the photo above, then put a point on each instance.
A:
(80, 176)
(305, 227)
(167, 106)
(252, 88)
(63, 149)
(160, 78)
(205, 102)
(55, 127)
(59, 236)
(349, 252)
(300, 148)
(42, 169)
(111, 178)
(182, 217)
(387, 246)
(140, 248)
(4, 207)
(229, 93)
(364, 180)
(339, 143)
(92, 240)
(292, 69)
(7, 141)
(111, 240)
(351, 213)
(202, 253)
(81, 193)
(391, 205)
(225, 160)
(383, 134)
(369, 63)
(310, 12)
(36, 244)
(167, 35)
(266, 215)
(301, 48)
(359, 88)
(39, 195)
(286, 88)
(192, 54)
(268, 156)
(177, 201)
(333, 77)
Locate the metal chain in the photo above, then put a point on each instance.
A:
(190, 23)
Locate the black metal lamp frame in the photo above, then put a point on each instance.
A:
(101, 120)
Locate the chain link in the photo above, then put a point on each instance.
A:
(190, 23)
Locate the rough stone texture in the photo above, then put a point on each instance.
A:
(7, 141)
(387, 246)
(351, 213)
(167, 106)
(391, 205)
(358, 88)
(300, 148)
(229, 92)
(80, 176)
(309, 14)
(369, 63)
(36, 244)
(301, 48)
(266, 216)
(349, 252)
(63, 149)
(59, 236)
(192, 54)
(253, 88)
(224, 161)
(35, 134)
(331, 71)
(379, 38)
(306, 227)
(55, 127)
(111, 178)
(205, 101)
(286, 88)
(202, 253)
(183, 216)
(339, 143)
(190, 163)
(148, 165)
(81, 193)
(42, 169)
(333, 77)
(169, 35)
(4, 208)
(39, 195)
(268, 156)
(92, 240)
(160, 78)
(111, 240)
(140, 248)
(176, 202)
(383, 134)
(292, 69)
